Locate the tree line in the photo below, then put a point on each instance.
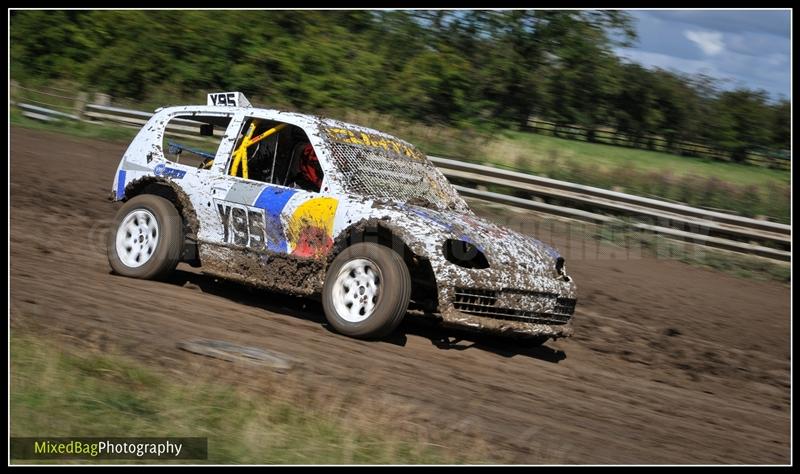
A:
(487, 69)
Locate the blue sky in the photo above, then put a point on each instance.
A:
(749, 48)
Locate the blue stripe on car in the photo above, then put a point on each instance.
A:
(273, 199)
(121, 184)
(449, 226)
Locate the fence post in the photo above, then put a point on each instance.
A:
(102, 99)
(80, 104)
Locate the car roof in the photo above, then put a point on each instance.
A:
(304, 120)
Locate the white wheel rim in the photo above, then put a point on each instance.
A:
(137, 238)
(357, 289)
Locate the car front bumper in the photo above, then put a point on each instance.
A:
(520, 305)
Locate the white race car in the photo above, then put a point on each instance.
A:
(313, 206)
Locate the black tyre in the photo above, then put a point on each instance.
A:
(146, 238)
(366, 291)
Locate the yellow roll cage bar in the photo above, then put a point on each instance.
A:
(240, 155)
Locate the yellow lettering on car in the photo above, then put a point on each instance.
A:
(343, 135)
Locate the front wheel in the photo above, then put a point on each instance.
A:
(366, 291)
(146, 238)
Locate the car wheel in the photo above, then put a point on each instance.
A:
(146, 238)
(366, 291)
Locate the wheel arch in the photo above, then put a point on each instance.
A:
(171, 192)
(424, 287)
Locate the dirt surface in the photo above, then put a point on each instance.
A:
(669, 363)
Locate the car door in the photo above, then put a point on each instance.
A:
(258, 217)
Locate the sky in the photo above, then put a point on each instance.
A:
(743, 48)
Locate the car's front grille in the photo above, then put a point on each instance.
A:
(565, 306)
(475, 297)
(521, 307)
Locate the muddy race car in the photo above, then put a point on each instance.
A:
(306, 205)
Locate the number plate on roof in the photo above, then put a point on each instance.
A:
(228, 99)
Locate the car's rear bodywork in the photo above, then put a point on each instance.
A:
(476, 274)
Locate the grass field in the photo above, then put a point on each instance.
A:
(740, 188)
(532, 152)
(541, 147)
(59, 390)
(77, 129)
(747, 190)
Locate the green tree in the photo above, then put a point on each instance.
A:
(741, 126)
(488, 68)
(677, 106)
(782, 125)
(636, 112)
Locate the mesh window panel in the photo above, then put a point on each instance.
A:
(384, 174)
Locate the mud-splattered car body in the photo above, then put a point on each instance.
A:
(466, 271)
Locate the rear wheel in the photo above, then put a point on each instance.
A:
(146, 238)
(366, 291)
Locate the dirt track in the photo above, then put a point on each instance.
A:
(670, 363)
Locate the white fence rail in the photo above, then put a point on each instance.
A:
(716, 229)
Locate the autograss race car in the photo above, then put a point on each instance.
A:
(306, 205)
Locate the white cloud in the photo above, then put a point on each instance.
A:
(775, 22)
(731, 69)
(672, 63)
(777, 59)
(709, 41)
(752, 56)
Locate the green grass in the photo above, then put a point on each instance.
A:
(63, 391)
(740, 188)
(76, 129)
(541, 147)
(747, 190)
(533, 152)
